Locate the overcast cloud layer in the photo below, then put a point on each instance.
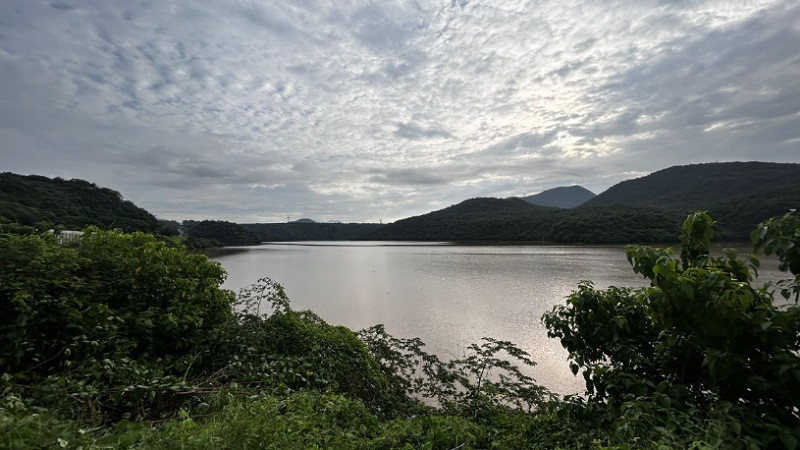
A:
(360, 111)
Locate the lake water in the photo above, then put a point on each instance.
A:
(447, 295)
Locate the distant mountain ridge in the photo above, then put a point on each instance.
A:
(700, 185)
(738, 195)
(561, 197)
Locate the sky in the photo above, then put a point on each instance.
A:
(362, 111)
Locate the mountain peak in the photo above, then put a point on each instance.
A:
(561, 197)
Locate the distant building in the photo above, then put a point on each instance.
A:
(68, 236)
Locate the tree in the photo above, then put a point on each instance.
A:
(700, 334)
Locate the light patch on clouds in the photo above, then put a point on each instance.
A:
(367, 110)
(414, 132)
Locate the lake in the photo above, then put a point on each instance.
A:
(447, 295)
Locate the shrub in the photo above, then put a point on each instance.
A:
(293, 350)
(111, 319)
(700, 336)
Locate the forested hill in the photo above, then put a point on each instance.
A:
(311, 231)
(701, 185)
(484, 205)
(738, 194)
(74, 204)
(514, 220)
(226, 233)
(561, 197)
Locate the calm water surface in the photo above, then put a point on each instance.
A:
(447, 295)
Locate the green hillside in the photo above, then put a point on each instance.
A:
(226, 233)
(74, 204)
(311, 231)
(514, 220)
(738, 194)
(700, 185)
(479, 219)
(647, 209)
(482, 205)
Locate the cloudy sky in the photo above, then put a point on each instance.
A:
(365, 111)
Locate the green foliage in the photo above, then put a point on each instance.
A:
(121, 341)
(482, 384)
(195, 243)
(118, 292)
(279, 359)
(700, 335)
(328, 357)
(43, 202)
(614, 225)
(654, 421)
(106, 323)
(433, 432)
(226, 233)
(303, 420)
(273, 345)
(9, 227)
(695, 239)
(738, 216)
(169, 227)
(781, 236)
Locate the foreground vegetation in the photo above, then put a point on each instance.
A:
(118, 340)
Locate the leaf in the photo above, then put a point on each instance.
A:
(758, 234)
(788, 440)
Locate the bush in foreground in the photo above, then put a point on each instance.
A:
(701, 340)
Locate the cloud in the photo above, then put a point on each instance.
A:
(408, 177)
(249, 111)
(726, 94)
(414, 132)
